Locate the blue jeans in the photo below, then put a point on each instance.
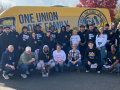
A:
(7, 70)
(119, 49)
(79, 64)
(59, 67)
(25, 68)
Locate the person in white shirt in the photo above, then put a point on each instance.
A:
(75, 39)
(101, 40)
(59, 57)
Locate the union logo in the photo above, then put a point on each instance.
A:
(91, 16)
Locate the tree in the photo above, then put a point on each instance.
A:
(109, 4)
(4, 7)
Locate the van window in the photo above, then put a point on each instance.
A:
(7, 21)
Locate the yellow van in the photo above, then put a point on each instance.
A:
(46, 16)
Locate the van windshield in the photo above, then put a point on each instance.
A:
(7, 21)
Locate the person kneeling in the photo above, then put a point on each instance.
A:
(92, 58)
(26, 62)
(8, 63)
(74, 58)
(113, 59)
(46, 61)
(59, 57)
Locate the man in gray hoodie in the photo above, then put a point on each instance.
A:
(26, 62)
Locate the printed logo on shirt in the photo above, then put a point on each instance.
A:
(16, 35)
(91, 55)
(53, 36)
(83, 34)
(35, 42)
(111, 33)
(48, 57)
(65, 36)
(25, 37)
(38, 36)
(91, 36)
(114, 57)
(70, 34)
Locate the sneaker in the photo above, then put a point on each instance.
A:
(31, 70)
(10, 74)
(98, 71)
(5, 77)
(87, 71)
(27, 72)
(47, 74)
(78, 71)
(24, 75)
(111, 71)
(117, 73)
(43, 75)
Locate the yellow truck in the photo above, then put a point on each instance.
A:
(58, 16)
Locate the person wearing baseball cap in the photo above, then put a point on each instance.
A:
(26, 62)
(110, 37)
(101, 40)
(92, 57)
(113, 59)
(106, 28)
(48, 40)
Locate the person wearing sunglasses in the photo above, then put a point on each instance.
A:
(113, 59)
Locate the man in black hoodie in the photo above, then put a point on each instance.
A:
(92, 57)
(16, 43)
(54, 35)
(24, 36)
(6, 39)
(48, 40)
(63, 38)
(90, 35)
(8, 62)
(46, 61)
(39, 34)
(110, 37)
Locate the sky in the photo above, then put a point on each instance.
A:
(70, 3)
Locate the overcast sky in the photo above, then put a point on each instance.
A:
(70, 3)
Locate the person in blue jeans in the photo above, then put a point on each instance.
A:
(74, 58)
(59, 57)
(26, 62)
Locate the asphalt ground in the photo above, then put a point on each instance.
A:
(68, 80)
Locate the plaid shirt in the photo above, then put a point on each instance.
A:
(76, 55)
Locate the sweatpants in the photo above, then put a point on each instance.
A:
(41, 67)
(99, 67)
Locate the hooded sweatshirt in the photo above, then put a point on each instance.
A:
(39, 35)
(92, 55)
(46, 56)
(90, 36)
(48, 40)
(63, 37)
(82, 36)
(7, 58)
(23, 39)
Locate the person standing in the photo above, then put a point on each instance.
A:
(59, 57)
(8, 62)
(48, 40)
(101, 40)
(39, 35)
(24, 36)
(82, 46)
(75, 39)
(74, 58)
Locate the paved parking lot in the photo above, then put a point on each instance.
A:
(63, 81)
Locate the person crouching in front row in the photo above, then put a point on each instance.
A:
(59, 57)
(92, 57)
(74, 58)
(8, 62)
(26, 62)
(46, 61)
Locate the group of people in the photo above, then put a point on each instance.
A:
(71, 48)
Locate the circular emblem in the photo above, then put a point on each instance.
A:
(47, 57)
(114, 57)
(83, 34)
(90, 16)
(65, 36)
(35, 42)
(16, 35)
(111, 33)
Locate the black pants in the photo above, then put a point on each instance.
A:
(82, 50)
(17, 56)
(108, 48)
(99, 67)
